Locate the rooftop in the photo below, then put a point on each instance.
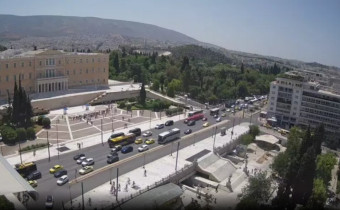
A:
(22, 53)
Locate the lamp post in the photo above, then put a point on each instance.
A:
(117, 185)
(177, 156)
(82, 196)
(48, 148)
(101, 130)
(19, 152)
(57, 140)
(214, 138)
(112, 124)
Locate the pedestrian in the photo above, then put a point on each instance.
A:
(118, 187)
(133, 183)
(90, 202)
(126, 187)
(34, 152)
(128, 181)
(145, 172)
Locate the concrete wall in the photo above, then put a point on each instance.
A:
(65, 101)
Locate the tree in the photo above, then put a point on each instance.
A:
(242, 89)
(155, 85)
(258, 189)
(28, 112)
(46, 122)
(319, 195)
(116, 63)
(242, 69)
(247, 139)
(319, 136)
(8, 134)
(15, 105)
(142, 94)
(5, 204)
(254, 130)
(21, 134)
(280, 164)
(40, 119)
(170, 91)
(30, 133)
(324, 165)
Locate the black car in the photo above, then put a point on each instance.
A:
(127, 149)
(60, 173)
(191, 123)
(49, 202)
(77, 156)
(112, 159)
(34, 175)
(136, 131)
(169, 123)
(188, 131)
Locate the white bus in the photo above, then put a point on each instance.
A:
(192, 113)
(169, 135)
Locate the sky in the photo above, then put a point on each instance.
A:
(306, 30)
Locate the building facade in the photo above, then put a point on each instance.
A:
(43, 71)
(294, 100)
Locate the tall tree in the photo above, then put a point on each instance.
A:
(185, 63)
(319, 195)
(142, 94)
(242, 68)
(259, 188)
(28, 113)
(318, 137)
(15, 105)
(116, 63)
(324, 165)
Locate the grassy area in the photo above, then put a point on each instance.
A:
(37, 128)
(34, 147)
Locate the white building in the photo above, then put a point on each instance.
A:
(296, 100)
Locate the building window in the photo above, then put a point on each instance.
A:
(74, 60)
(47, 62)
(80, 71)
(23, 76)
(7, 78)
(6, 65)
(15, 77)
(40, 63)
(30, 75)
(30, 63)
(67, 72)
(22, 64)
(59, 62)
(15, 65)
(86, 81)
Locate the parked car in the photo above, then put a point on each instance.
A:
(169, 123)
(34, 175)
(204, 119)
(77, 156)
(112, 159)
(85, 170)
(114, 152)
(147, 133)
(191, 123)
(188, 131)
(159, 126)
(206, 124)
(49, 202)
(33, 183)
(56, 168)
(136, 131)
(149, 141)
(62, 180)
(215, 116)
(228, 110)
(139, 141)
(218, 119)
(60, 173)
(88, 162)
(81, 159)
(223, 115)
(117, 147)
(127, 149)
(143, 148)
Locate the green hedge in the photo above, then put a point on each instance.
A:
(171, 112)
(33, 147)
(30, 132)
(46, 122)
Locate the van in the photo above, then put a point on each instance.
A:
(115, 135)
(136, 131)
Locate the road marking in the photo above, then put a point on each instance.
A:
(69, 127)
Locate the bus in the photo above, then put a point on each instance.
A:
(115, 135)
(192, 113)
(214, 111)
(194, 118)
(122, 140)
(169, 135)
(25, 169)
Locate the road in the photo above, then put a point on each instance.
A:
(47, 184)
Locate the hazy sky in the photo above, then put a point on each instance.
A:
(306, 30)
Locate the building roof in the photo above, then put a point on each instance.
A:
(154, 197)
(22, 53)
(12, 182)
(267, 138)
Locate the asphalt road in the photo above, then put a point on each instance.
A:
(47, 185)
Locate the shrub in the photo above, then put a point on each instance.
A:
(121, 104)
(33, 147)
(21, 134)
(128, 107)
(46, 122)
(133, 99)
(30, 132)
(254, 130)
(40, 119)
(171, 112)
(8, 134)
(247, 139)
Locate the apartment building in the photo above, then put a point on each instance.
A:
(295, 100)
(43, 71)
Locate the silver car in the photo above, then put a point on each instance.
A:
(81, 159)
(62, 180)
(147, 134)
(88, 162)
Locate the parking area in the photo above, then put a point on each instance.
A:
(83, 123)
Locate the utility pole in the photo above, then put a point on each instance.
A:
(251, 114)
(232, 131)
(214, 138)
(19, 152)
(82, 196)
(112, 124)
(117, 185)
(48, 148)
(150, 120)
(57, 141)
(101, 130)
(177, 156)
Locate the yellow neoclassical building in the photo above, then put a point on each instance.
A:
(43, 71)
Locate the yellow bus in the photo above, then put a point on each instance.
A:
(122, 140)
(25, 169)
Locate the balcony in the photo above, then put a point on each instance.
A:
(49, 79)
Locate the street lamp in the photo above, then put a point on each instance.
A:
(57, 140)
(19, 152)
(101, 130)
(48, 148)
(177, 156)
(214, 138)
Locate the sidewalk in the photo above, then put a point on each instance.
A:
(155, 171)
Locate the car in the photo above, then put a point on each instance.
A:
(169, 123)
(33, 183)
(149, 141)
(127, 149)
(215, 116)
(206, 124)
(139, 141)
(223, 115)
(112, 159)
(159, 126)
(88, 162)
(136, 131)
(60, 173)
(81, 159)
(228, 110)
(117, 147)
(114, 151)
(191, 123)
(232, 111)
(147, 134)
(77, 156)
(204, 119)
(49, 201)
(34, 175)
(62, 180)
(218, 119)
(56, 168)
(85, 170)
(143, 148)
(188, 131)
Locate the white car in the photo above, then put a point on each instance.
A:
(159, 126)
(87, 162)
(228, 110)
(218, 119)
(143, 148)
(62, 180)
(81, 159)
(147, 134)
